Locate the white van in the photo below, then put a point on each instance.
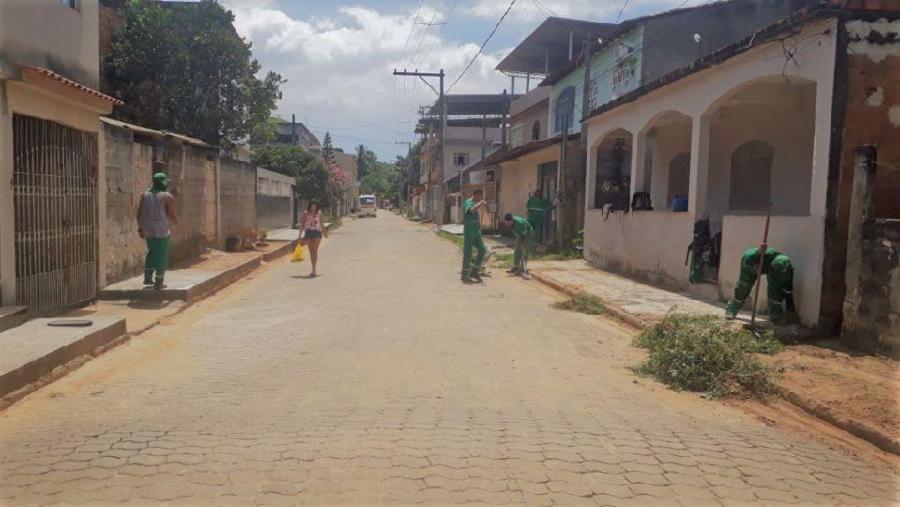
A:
(367, 205)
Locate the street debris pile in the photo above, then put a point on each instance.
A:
(699, 353)
(582, 302)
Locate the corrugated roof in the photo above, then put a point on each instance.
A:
(552, 36)
(161, 134)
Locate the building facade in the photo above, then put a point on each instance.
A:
(49, 155)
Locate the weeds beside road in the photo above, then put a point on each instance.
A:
(702, 353)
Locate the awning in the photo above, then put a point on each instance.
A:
(53, 82)
(525, 149)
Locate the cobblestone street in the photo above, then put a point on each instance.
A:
(385, 380)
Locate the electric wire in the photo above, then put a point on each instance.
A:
(512, 3)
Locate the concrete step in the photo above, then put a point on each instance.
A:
(35, 348)
(12, 316)
(181, 284)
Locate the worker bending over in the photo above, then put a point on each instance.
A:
(780, 273)
(524, 233)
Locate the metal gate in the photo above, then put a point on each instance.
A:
(55, 203)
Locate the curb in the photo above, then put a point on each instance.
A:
(280, 251)
(613, 310)
(872, 435)
(20, 379)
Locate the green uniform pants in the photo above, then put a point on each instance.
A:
(536, 219)
(780, 274)
(522, 251)
(157, 258)
(472, 239)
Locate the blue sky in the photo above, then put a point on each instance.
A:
(337, 55)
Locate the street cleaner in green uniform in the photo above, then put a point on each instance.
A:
(780, 272)
(524, 234)
(472, 237)
(156, 213)
(538, 207)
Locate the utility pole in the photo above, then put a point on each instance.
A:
(442, 103)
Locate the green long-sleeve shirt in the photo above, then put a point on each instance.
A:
(521, 226)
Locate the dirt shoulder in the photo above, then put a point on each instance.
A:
(853, 391)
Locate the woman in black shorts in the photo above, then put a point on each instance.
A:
(313, 227)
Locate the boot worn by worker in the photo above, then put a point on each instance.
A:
(148, 277)
(476, 276)
(733, 308)
(159, 285)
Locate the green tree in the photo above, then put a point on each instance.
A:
(382, 180)
(328, 149)
(307, 169)
(265, 132)
(365, 161)
(184, 68)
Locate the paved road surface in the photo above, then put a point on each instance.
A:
(386, 381)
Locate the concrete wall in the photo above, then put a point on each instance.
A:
(128, 168)
(274, 200)
(670, 40)
(872, 311)
(518, 180)
(523, 123)
(46, 33)
(238, 194)
(871, 94)
(649, 245)
(780, 115)
(603, 66)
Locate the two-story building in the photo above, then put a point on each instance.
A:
(531, 161)
(473, 127)
(49, 156)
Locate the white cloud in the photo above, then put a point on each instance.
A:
(339, 67)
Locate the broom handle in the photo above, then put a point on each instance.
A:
(759, 266)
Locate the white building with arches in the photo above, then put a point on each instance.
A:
(747, 125)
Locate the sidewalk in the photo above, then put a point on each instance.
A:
(636, 303)
(36, 353)
(846, 389)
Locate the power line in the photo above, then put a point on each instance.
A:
(624, 5)
(483, 44)
(544, 8)
(412, 28)
(425, 33)
(437, 38)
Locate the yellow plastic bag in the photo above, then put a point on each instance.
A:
(299, 253)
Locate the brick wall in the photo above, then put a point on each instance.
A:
(238, 197)
(872, 311)
(868, 84)
(128, 165)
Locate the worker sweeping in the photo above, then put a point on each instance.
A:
(524, 233)
(538, 207)
(780, 274)
(472, 237)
